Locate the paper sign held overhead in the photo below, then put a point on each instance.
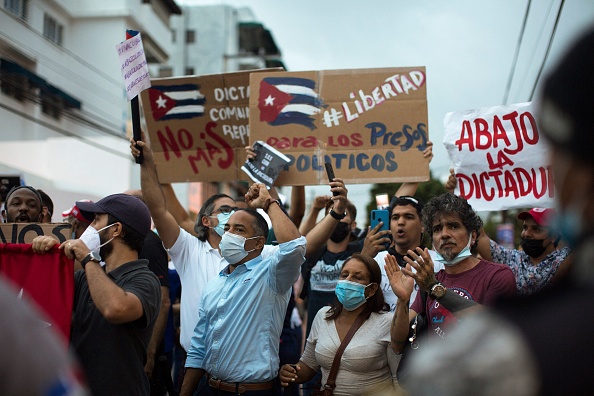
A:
(370, 124)
(499, 159)
(133, 66)
(267, 165)
(198, 126)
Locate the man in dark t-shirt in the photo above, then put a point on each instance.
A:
(115, 307)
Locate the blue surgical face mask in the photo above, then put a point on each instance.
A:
(223, 218)
(233, 247)
(464, 253)
(350, 294)
(568, 221)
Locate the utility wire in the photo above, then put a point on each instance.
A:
(76, 116)
(518, 46)
(546, 57)
(535, 48)
(65, 132)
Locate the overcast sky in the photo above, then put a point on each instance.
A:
(467, 46)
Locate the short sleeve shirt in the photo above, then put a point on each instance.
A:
(113, 355)
(485, 283)
(530, 278)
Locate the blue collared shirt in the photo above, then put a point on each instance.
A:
(241, 317)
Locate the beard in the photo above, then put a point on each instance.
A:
(448, 254)
(447, 251)
(106, 250)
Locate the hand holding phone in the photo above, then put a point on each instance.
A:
(330, 173)
(383, 216)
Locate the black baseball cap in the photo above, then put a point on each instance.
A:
(128, 209)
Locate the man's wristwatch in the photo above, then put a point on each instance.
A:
(92, 256)
(438, 290)
(336, 215)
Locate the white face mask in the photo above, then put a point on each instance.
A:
(464, 253)
(233, 247)
(91, 238)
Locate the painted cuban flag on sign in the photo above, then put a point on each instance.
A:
(288, 100)
(176, 102)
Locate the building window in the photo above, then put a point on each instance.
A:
(189, 71)
(52, 106)
(17, 7)
(190, 36)
(52, 30)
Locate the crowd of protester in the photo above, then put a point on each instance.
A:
(249, 298)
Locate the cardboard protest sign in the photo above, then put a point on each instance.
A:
(26, 232)
(267, 165)
(370, 124)
(133, 65)
(499, 159)
(198, 126)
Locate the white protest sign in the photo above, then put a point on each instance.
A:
(133, 65)
(499, 158)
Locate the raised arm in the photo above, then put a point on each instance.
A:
(297, 208)
(483, 246)
(113, 302)
(176, 209)
(318, 204)
(410, 188)
(402, 286)
(259, 197)
(319, 235)
(153, 195)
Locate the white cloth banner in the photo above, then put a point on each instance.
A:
(133, 65)
(499, 158)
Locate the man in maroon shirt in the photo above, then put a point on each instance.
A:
(465, 284)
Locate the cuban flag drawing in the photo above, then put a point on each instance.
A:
(288, 100)
(176, 102)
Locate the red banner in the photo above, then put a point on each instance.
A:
(47, 279)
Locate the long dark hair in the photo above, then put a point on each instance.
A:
(375, 303)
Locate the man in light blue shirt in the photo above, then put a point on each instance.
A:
(236, 340)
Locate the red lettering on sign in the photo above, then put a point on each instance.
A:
(219, 150)
(483, 136)
(465, 137)
(168, 143)
(502, 160)
(515, 183)
(499, 133)
(285, 142)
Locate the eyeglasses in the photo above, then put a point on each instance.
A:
(225, 209)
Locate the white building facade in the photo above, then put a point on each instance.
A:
(63, 108)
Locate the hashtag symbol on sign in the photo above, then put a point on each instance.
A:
(331, 117)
